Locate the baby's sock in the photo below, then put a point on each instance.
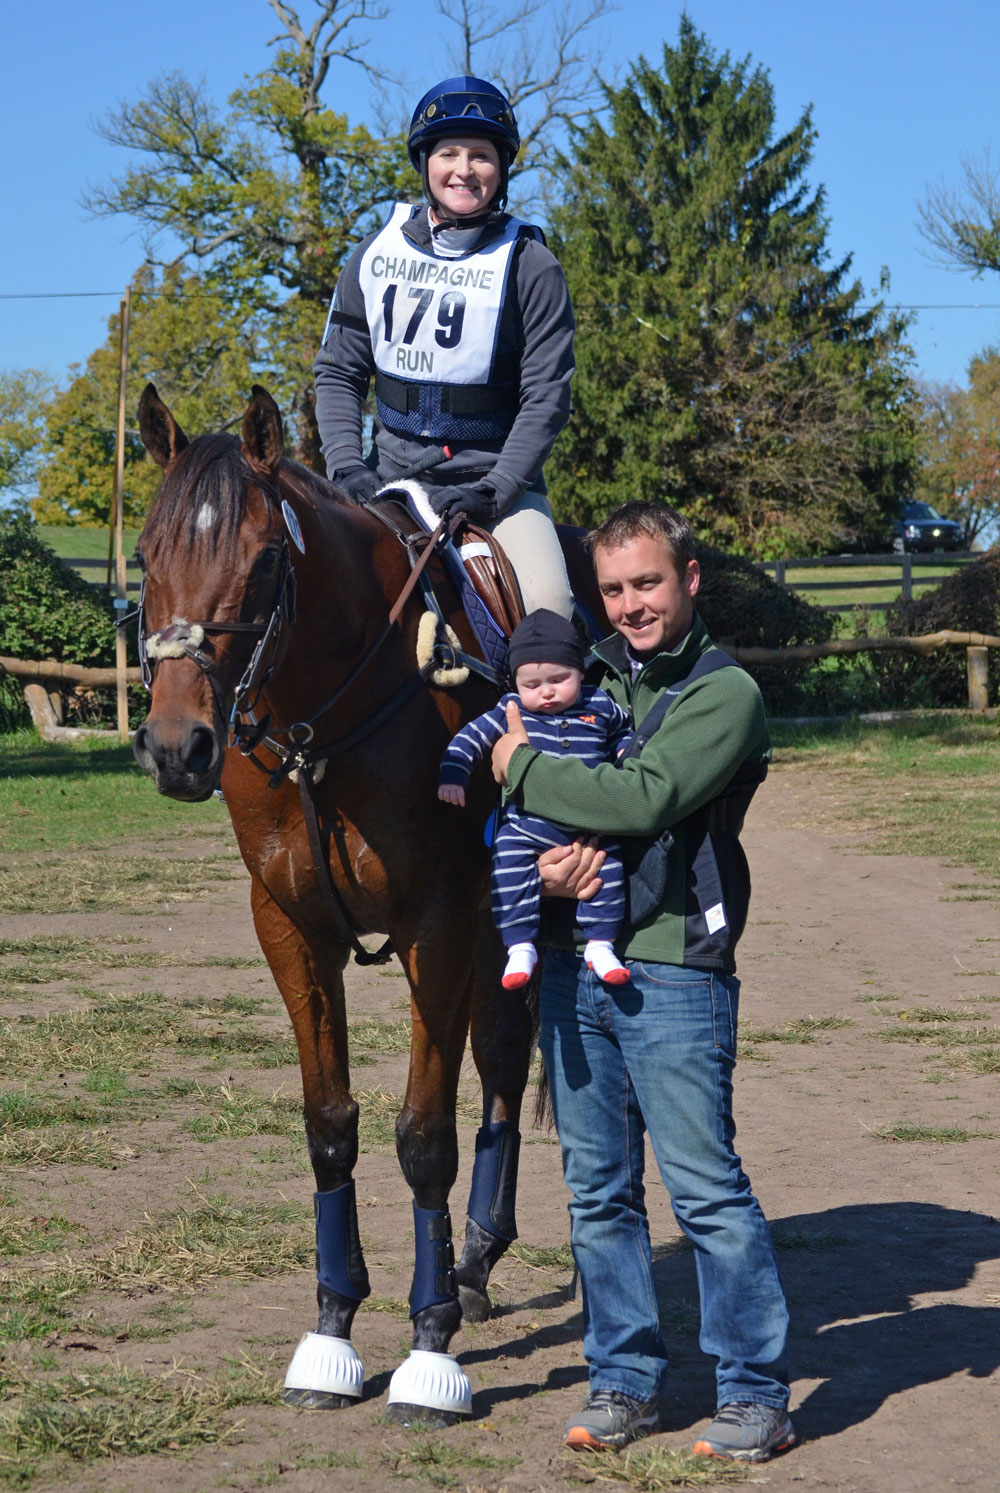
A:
(603, 960)
(521, 961)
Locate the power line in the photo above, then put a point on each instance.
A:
(196, 295)
(53, 295)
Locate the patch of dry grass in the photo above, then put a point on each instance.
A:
(116, 1412)
(121, 1030)
(27, 1148)
(653, 1469)
(21, 1235)
(234, 1113)
(87, 883)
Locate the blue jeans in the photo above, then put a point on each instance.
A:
(657, 1054)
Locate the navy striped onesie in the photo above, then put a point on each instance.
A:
(591, 729)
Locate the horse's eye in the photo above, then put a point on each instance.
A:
(266, 564)
(140, 559)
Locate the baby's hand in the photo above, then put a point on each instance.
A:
(452, 793)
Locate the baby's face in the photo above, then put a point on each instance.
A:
(548, 688)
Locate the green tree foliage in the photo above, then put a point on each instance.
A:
(202, 351)
(960, 472)
(722, 362)
(23, 395)
(46, 609)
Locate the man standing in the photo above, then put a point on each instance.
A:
(657, 1054)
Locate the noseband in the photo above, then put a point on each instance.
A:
(183, 639)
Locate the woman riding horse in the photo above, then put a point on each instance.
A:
(463, 316)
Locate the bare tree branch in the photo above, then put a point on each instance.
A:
(539, 58)
(962, 225)
(316, 50)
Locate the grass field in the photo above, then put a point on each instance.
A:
(85, 544)
(922, 787)
(85, 795)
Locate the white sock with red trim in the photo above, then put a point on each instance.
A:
(602, 959)
(521, 961)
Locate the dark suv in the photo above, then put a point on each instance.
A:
(921, 527)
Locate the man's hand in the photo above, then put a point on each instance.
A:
(507, 745)
(571, 870)
(452, 793)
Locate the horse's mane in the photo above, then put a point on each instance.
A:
(213, 471)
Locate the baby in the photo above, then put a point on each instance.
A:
(561, 714)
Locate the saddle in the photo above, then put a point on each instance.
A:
(479, 570)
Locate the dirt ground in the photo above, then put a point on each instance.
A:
(890, 1250)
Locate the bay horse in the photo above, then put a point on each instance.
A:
(273, 651)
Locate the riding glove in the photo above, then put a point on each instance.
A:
(477, 500)
(359, 482)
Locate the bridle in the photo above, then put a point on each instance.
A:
(297, 760)
(183, 639)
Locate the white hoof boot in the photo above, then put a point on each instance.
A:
(326, 1365)
(433, 1380)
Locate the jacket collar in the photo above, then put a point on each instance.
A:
(662, 668)
(418, 230)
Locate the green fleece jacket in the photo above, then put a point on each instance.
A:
(714, 727)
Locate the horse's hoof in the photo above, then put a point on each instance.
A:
(325, 1373)
(476, 1305)
(317, 1399)
(421, 1417)
(428, 1389)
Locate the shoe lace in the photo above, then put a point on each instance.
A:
(741, 1413)
(613, 1397)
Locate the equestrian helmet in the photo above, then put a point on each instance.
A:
(463, 106)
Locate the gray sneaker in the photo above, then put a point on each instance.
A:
(745, 1432)
(610, 1418)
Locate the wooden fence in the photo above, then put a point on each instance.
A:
(44, 676)
(780, 569)
(908, 581)
(134, 581)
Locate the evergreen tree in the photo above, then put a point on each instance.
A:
(722, 362)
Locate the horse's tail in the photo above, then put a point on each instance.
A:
(543, 1116)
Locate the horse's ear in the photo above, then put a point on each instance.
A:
(161, 435)
(263, 432)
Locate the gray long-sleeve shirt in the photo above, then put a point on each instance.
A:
(535, 335)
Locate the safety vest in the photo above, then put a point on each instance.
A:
(434, 326)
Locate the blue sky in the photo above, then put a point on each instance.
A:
(900, 92)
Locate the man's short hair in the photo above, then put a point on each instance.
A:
(658, 520)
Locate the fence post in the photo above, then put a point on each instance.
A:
(907, 577)
(118, 511)
(779, 572)
(979, 677)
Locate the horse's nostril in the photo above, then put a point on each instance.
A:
(199, 750)
(143, 748)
